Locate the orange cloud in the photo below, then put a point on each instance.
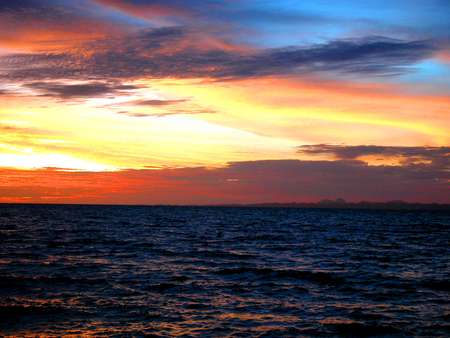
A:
(40, 32)
(151, 11)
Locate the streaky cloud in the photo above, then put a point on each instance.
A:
(168, 113)
(82, 90)
(157, 103)
(180, 52)
(173, 54)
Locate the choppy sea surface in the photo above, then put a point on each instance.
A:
(143, 271)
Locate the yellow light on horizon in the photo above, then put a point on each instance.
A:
(37, 161)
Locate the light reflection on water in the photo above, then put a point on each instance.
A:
(112, 271)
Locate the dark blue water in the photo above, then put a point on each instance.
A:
(124, 271)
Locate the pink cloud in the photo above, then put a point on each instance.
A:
(154, 10)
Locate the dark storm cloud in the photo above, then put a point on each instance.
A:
(84, 90)
(439, 156)
(178, 52)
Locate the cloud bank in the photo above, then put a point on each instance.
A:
(237, 182)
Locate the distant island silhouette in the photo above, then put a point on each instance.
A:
(340, 203)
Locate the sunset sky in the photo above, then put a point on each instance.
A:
(224, 101)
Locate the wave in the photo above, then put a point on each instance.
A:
(16, 280)
(8, 311)
(268, 273)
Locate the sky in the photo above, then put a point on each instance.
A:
(224, 101)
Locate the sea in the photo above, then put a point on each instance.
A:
(175, 271)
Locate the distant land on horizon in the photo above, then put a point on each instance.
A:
(340, 203)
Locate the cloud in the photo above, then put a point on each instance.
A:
(166, 105)
(155, 10)
(82, 90)
(29, 8)
(49, 25)
(169, 112)
(172, 11)
(156, 103)
(436, 156)
(125, 112)
(236, 182)
(181, 52)
(368, 56)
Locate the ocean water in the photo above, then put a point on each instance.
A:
(142, 271)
